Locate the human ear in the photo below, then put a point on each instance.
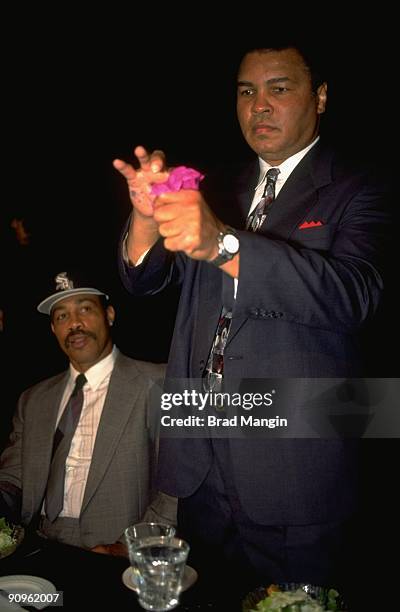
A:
(322, 95)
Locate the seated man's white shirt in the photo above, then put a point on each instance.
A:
(82, 445)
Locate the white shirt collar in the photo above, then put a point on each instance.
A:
(97, 373)
(286, 167)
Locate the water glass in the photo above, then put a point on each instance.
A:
(161, 563)
(138, 531)
(148, 530)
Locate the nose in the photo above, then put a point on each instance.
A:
(75, 322)
(261, 103)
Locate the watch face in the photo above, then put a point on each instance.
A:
(231, 243)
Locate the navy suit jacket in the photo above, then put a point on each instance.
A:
(304, 294)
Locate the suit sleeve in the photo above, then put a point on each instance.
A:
(337, 288)
(11, 470)
(159, 269)
(163, 509)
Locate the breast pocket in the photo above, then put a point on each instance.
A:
(319, 238)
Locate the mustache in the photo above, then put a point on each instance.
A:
(78, 332)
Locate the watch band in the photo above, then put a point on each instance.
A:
(220, 259)
(223, 255)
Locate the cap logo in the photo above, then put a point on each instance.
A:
(63, 282)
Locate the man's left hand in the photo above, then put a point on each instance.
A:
(117, 549)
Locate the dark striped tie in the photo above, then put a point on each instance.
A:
(61, 445)
(257, 217)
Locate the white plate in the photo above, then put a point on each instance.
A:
(28, 584)
(130, 580)
(6, 606)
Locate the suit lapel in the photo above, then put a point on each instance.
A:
(123, 391)
(296, 198)
(294, 202)
(245, 192)
(208, 315)
(299, 194)
(41, 425)
(236, 204)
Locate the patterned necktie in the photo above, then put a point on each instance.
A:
(258, 215)
(61, 445)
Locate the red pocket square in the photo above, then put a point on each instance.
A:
(307, 224)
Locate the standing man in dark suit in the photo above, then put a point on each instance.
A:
(288, 285)
(109, 464)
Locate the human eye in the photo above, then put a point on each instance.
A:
(280, 89)
(246, 92)
(60, 316)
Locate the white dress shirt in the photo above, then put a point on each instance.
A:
(286, 168)
(82, 445)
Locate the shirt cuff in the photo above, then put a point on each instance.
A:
(125, 255)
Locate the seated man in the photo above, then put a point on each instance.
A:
(81, 454)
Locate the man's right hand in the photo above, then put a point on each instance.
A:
(152, 170)
(143, 232)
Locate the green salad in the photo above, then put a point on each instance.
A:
(295, 601)
(7, 539)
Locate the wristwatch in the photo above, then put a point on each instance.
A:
(228, 246)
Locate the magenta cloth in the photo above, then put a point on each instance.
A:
(180, 178)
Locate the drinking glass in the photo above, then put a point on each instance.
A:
(147, 530)
(160, 561)
(137, 532)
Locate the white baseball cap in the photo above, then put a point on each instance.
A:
(64, 285)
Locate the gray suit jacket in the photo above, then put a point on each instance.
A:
(119, 486)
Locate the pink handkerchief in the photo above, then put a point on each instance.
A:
(180, 178)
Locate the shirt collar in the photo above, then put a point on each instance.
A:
(97, 373)
(286, 167)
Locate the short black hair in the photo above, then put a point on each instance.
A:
(313, 54)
